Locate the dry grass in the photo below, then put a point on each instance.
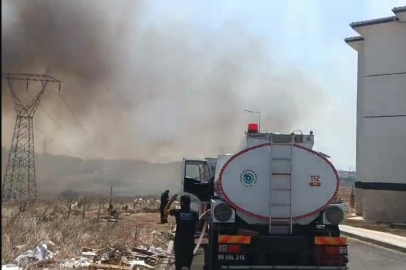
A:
(48, 220)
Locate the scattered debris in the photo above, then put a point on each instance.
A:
(10, 267)
(113, 214)
(40, 253)
(140, 263)
(69, 254)
(76, 263)
(116, 258)
(75, 205)
(146, 201)
(124, 207)
(106, 258)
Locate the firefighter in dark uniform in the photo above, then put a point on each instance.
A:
(187, 221)
(164, 202)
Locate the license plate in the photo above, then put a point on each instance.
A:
(231, 257)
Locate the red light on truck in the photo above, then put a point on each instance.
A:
(234, 249)
(253, 128)
(230, 248)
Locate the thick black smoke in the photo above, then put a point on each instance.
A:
(143, 91)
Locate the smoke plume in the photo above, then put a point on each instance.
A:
(142, 90)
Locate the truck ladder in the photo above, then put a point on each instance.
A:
(280, 188)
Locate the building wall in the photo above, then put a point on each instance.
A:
(381, 141)
(358, 201)
(384, 48)
(360, 117)
(384, 205)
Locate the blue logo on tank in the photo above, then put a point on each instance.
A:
(248, 178)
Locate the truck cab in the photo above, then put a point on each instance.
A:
(198, 177)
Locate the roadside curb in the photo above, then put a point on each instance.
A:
(375, 242)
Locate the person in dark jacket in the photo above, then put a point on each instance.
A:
(164, 202)
(187, 221)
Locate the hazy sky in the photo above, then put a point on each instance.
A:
(304, 36)
(308, 34)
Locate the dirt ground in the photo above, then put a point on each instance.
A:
(86, 226)
(71, 230)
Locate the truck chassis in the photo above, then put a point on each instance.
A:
(231, 248)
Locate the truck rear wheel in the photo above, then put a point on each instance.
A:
(206, 258)
(211, 248)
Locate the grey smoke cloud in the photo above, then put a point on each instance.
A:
(143, 91)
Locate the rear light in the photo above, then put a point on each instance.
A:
(330, 255)
(335, 250)
(234, 249)
(230, 248)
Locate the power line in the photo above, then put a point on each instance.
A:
(48, 138)
(56, 123)
(40, 131)
(77, 119)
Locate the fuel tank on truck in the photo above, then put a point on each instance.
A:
(276, 175)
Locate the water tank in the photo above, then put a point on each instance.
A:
(270, 179)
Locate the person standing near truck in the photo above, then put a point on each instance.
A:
(164, 202)
(187, 221)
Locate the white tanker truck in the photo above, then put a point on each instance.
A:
(270, 205)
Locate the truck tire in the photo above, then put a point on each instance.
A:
(206, 258)
(212, 248)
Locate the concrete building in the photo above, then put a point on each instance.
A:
(381, 117)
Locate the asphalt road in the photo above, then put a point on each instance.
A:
(365, 256)
(362, 256)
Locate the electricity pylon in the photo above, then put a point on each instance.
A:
(19, 180)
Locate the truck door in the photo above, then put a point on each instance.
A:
(197, 179)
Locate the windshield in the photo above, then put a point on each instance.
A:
(197, 171)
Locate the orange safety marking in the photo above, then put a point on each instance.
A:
(331, 241)
(234, 239)
(315, 184)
